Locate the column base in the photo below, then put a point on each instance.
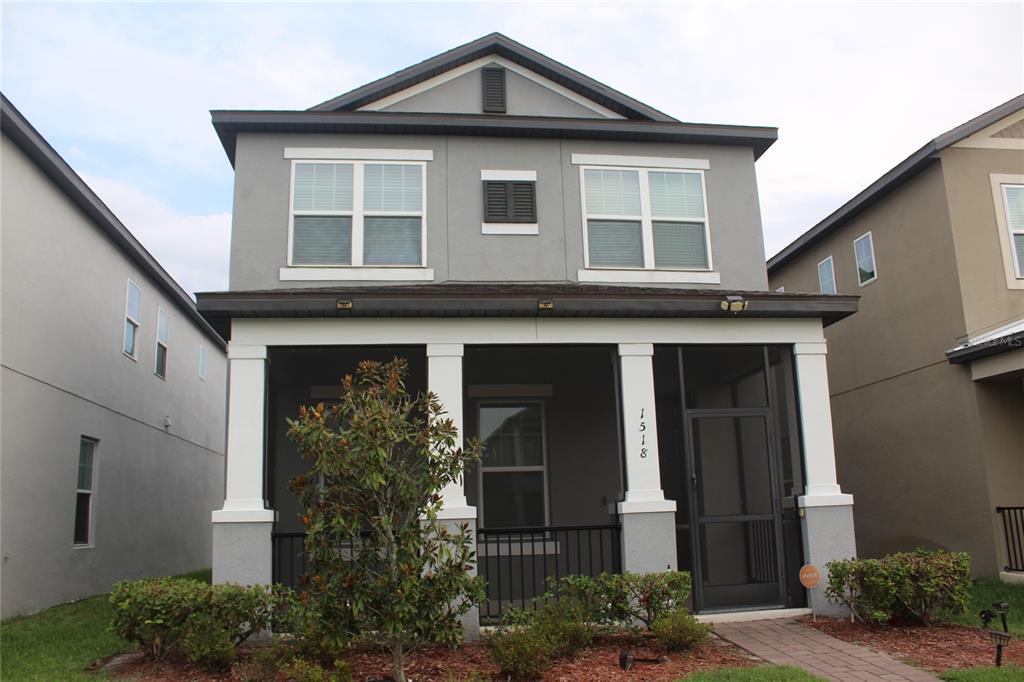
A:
(470, 619)
(828, 536)
(648, 540)
(242, 551)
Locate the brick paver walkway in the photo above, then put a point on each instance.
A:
(787, 642)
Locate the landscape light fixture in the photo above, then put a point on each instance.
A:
(1000, 640)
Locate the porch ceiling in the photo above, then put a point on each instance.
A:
(511, 300)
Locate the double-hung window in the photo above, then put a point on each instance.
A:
(1013, 202)
(202, 362)
(513, 476)
(357, 213)
(84, 490)
(645, 218)
(132, 315)
(826, 276)
(163, 336)
(864, 253)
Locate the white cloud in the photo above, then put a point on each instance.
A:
(192, 248)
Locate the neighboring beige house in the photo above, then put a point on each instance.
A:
(926, 380)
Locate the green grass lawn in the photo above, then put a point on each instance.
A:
(984, 593)
(1005, 674)
(56, 644)
(770, 673)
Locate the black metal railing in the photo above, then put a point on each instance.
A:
(516, 563)
(289, 559)
(1013, 531)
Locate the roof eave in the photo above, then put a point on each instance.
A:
(1003, 344)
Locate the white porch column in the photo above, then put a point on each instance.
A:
(648, 519)
(242, 528)
(827, 523)
(444, 379)
(822, 488)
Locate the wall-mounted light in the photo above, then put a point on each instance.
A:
(734, 304)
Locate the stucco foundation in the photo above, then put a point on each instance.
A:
(828, 536)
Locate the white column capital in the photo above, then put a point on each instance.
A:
(445, 350)
(240, 352)
(810, 348)
(633, 349)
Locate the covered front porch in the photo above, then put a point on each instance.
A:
(636, 445)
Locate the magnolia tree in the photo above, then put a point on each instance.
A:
(382, 565)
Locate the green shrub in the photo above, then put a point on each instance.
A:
(201, 621)
(922, 586)
(301, 670)
(680, 631)
(625, 597)
(521, 652)
(564, 625)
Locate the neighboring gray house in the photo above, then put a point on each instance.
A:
(928, 378)
(580, 278)
(113, 393)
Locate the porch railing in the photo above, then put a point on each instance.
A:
(1013, 531)
(288, 557)
(517, 562)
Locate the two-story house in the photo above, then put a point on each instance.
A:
(580, 278)
(113, 390)
(926, 380)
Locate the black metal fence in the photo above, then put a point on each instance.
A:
(289, 559)
(1013, 531)
(517, 562)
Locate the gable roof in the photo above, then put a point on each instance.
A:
(503, 46)
(15, 126)
(903, 171)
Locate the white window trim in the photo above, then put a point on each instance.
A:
(358, 215)
(202, 363)
(1014, 278)
(510, 228)
(856, 263)
(92, 493)
(509, 175)
(652, 162)
(832, 266)
(349, 274)
(137, 323)
(619, 274)
(532, 468)
(351, 154)
(158, 343)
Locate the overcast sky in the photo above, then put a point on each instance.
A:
(123, 91)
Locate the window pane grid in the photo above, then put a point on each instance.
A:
(626, 212)
(513, 485)
(378, 221)
(83, 491)
(826, 276)
(864, 253)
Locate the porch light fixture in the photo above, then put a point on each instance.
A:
(999, 639)
(344, 305)
(734, 304)
(545, 305)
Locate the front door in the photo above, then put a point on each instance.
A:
(719, 442)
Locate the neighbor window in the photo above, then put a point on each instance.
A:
(513, 478)
(826, 276)
(132, 315)
(357, 213)
(84, 490)
(1013, 200)
(644, 218)
(864, 253)
(202, 362)
(163, 323)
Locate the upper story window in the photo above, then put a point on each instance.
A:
(202, 362)
(357, 213)
(132, 316)
(645, 218)
(163, 336)
(1013, 202)
(84, 490)
(864, 254)
(826, 276)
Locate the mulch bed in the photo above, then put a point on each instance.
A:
(937, 648)
(598, 663)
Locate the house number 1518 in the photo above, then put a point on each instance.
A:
(643, 435)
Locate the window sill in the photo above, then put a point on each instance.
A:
(353, 274)
(649, 276)
(509, 228)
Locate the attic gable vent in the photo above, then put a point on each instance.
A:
(494, 89)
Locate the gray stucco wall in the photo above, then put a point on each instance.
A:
(463, 95)
(64, 376)
(456, 249)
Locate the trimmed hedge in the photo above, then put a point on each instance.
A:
(203, 622)
(625, 597)
(921, 586)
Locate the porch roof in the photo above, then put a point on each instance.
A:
(512, 300)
